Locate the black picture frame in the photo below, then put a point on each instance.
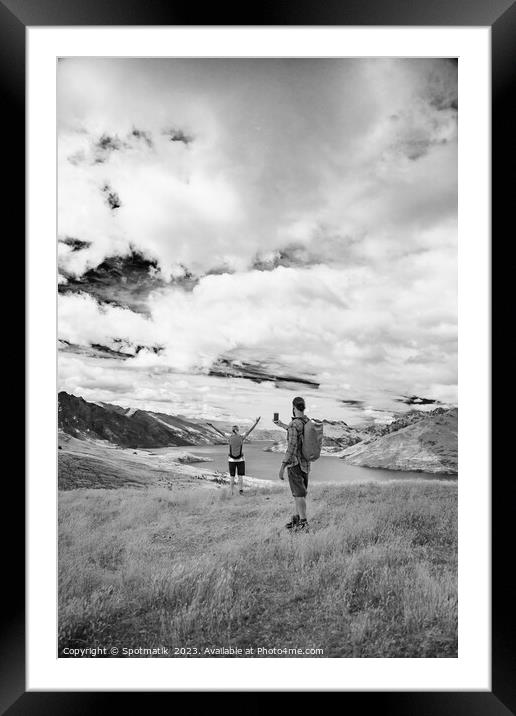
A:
(500, 15)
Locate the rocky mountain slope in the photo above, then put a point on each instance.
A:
(132, 428)
(127, 427)
(402, 421)
(424, 442)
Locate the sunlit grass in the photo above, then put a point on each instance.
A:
(375, 577)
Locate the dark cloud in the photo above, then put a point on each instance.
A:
(105, 145)
(187, 281)
(92, 351)
(293, 255)
(112, 353)
(177, 135)
(323, 247)
(75, 244)
(220, 270)
(144, 136)
(119, 350)
(119, 353)
(416, 400)
(112, 198)
(124, 281)
(353, 403)
(258, 372)
(108, 144)
(102, 148)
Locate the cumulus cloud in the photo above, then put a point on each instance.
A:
(342, 325)
(299, 213)
(272, 153)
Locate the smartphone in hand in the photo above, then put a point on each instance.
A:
(275, 418)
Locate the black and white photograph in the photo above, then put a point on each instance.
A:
(257, 434)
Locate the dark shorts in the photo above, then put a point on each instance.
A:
(298, 481)
(237, 468)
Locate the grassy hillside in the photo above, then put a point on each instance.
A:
(84, 463)
(155, 567)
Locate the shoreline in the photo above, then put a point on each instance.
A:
(88, 463)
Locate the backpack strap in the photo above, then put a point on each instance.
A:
(303, 420)
(303, 423)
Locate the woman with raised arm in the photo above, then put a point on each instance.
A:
(236, 459)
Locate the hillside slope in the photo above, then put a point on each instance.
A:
(375, 577)
(428, 444)
(86, 463)
(83, 463)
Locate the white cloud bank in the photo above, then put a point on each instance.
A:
(347, 327)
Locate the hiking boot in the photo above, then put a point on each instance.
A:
(293, 522)
(302, 526)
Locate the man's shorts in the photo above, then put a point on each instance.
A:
(237, 467)
(298, 481)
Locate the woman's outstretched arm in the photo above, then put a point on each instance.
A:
(224, 435)
(252, 427)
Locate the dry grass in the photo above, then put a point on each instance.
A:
(375, 577)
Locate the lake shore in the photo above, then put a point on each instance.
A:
(93, 464)
(263, 464)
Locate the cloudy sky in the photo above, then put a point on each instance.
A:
(233, 233)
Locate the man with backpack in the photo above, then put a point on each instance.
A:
(304, 442)
(236, 458)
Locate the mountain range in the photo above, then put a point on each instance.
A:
(415, 441)
(134, 428)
